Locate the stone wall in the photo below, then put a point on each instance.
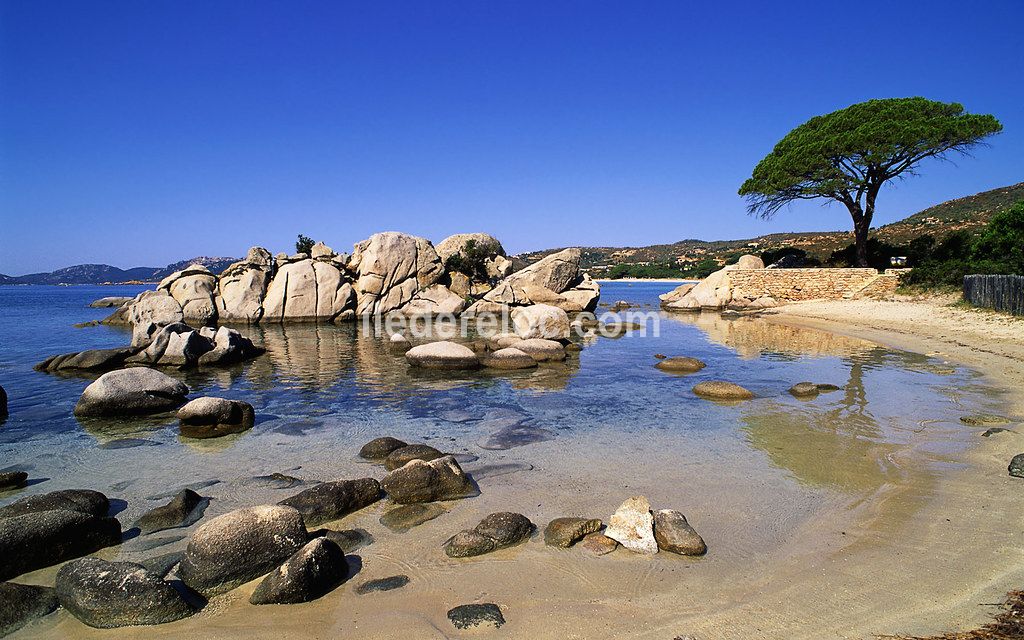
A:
(791, 285)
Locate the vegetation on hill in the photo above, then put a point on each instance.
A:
(848, 155)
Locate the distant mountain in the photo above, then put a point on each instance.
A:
(106, 274)
(971, 213)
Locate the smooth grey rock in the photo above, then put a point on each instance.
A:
(508, 358)
(39, 539)
(681, 364)
(214, 417)
(135, 391)
(540, 349)
(315, 570)
(20, 604)
(442, 355)
(106, 595)
(419, 481)
(674, 534)
(89, 360)
(329, 501)
(349, 540)
(496, 531)
(239, 546)
(183, 510)
(468, 543)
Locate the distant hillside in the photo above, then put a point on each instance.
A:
(970, 213)
(106, 274)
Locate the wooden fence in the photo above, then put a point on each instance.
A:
(1003, 293)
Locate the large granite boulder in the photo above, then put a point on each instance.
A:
(34, 540)
(454, 251)
(149, 311)
(308, 290)
(676, 294)
(721, 390)
(555, 273)
(214, 417)
(243, 285)
(135, 391)
(716, 290)
(229, 347)
(312, 572)
(434, 300)
(508, 358)
(541, 349)
(392, 268)
(174, 345)
(240, 546)
(540, 321)
(582, 296)
(194, 289)
(442, 355)
(329, 501)
(428, 481)
(20, 604)
(457, 244)
(107, 595)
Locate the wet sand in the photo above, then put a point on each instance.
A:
(818, 527)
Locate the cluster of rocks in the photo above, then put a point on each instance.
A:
(729, 391)
(716, 292)
(173, 345)
(387, 273)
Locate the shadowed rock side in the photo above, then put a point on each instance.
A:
(388, 272)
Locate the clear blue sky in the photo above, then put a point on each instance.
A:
(140, 133)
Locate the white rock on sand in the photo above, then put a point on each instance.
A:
(632, 526)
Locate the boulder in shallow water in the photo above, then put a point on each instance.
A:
(110, 302)
(380, 448)
(565, 532)
(496, 531)
(541, 350)
(675, 535)
(419, 481)
(509, 358)
(349, 540)
(720, 390)
(392, 268)
(333, 500)
(106, 595)
(89, 360)
(468, 543)
(1016, 467)
(984, 419)
(804, 390)
(442, 355)
(399, 457)
(382, 584)
(214, 417)
(184, 509)
(398, 343)
(540, 321)
(476, 616)
(20, 604)
(128, 392)
(240, 546)
(39, 539)
(84, 501)
(408, 516)
(312, 572)
(632, 526)
(12, 480)
(681, 364)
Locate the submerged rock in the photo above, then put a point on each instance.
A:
(984, 419)
(12, 480)
(675, 535)
(348, 539)
(106, 595)
(399, 457)
(214, 417)
(471, 616)
(183, 510)
(314, 571)
(565, 532)
(398, 343)
(419, 481)
(680, 364)
(382, 584)
(719, 390)
(239, 546)
(333, 500)
(39, 539)
(380, 448)
(804, 390)
(496, 531)
(632, 526)
(406, 517)
(20, 604)
(135, 391)
(442, 355)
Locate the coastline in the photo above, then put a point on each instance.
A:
(668, 280)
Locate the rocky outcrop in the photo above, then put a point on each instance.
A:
(243, 286)
(312, 572)
(148, 312)
(676, 294)
(89, 360)
(554, 280)
(392, 267)
(107, 595)
(474, 262)
(193, 288)
(308, 290)
(240, 546)
(134, 391)
(434, 300)
(717, 291)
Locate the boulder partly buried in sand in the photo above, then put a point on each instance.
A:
(1016, 467)
(496, 531)
(106, 595)
(20, 604)
(442, 355)
(215, 417)
(565, 532)
(40, 539)
(598, 544)
(476, 616)
(419, 481)
(632, 526)
(675, 535)
(239, 546)
(720, 390)
(333, 500)
(128, 392)
(312, 572)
